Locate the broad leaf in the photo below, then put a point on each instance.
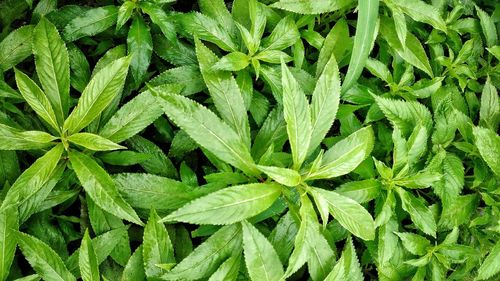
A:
(87, 260)
(414, 243)
(284, 176)
(134, 270)
(16, 47)
(490, 267)
(140, 48)
(15, 139)
(156, 246)
(420, 214)
(93, 142)
(488, 144)
(90, 23)
(284, 35)
(229, 205)
(311, 6)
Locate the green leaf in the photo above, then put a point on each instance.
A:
(229, 205)
(488, 27)
(100, 187)
(33, 178)
(134, 270)
(225, 93)
(160, 18)
(16, 47)
(414, 243)
(420, 214)
(140, 48)
(217, 10)
(36, 99)
(284, 35)
(156, 246)
(232, 62)
(228, 270)
(52, 66)
(490, 267)
(489, 112)
(188, 76)
(348, 212)
(131, 118)
(93, 142)
(90, 23)
(360, 191)
(366, 32)
(15, 139)
(420, 11)
(158, 163)
(98, 94)
(297, 116)
(324, 103)
(8, 224)
(284, 176)
(333, 45)
(206, 129)
(87, 260)
(261, 259)
(206, 258)
(345, 155)
(311, 6)
(79, 68)
(351, 263)
(124, 13)
(43, 259)
(488, 144)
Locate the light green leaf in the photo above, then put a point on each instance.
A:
(225, 93)
(345, 155)
(8, 224)
(93, 142)
(420, 214)
(379, 69)
(490, 266)
(284, 176)
(420, 11)
(206, 129)
(297, 116)
(488, 144)
(52, 66)
(489, 111)
(16, 47)
(387, 240)
(43, 259)
(101, 188)
(351, 262)
(229, 205)
(134, 270)
(159, 17)
(36, 99)
(124, 13)
(311, 6)
(334, 45)
(261, 259)
(217, 10)
(414, 243)
(15, 139)
(140, 48)
(206, 258)
(188, 76)
(90, 23)
(360, 191)
(324, 103)
(348, 212)
(33, 179)
(284, 35)
(488, 26)
(131, 118)
(228, 270)
(87, 259)
(156, 246)
(98, 94)
(366, 32)
(232, 62)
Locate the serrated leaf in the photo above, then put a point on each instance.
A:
(15, 139)
(16, 47)
(228, 270)
(489, 111)
(420, 11)
(420, 214)
(349, 213)
(101, 188)
(225, 93)
(124, 13)
(311, 6)
(140, 48)
(414, 243)
(297, 116)
(37, 99)
(43, 259)
(366, 33)
(488, 27)
(206, 258)
(52, 66)
(87, 260)
(261, 259)
(134, 270)
(324, 103)
(90, 23)
(229, 205)
(489, 266)
(284, 176)
(160, 18)
(488, 144)
(8, 224)
(156, 246)
(188, 76)
(284, 35)
(93, 142)
(33, 178)
(234, 61)
(333, 45)
(345, 156)
(207, 129)
(98, 94)
(360, 191)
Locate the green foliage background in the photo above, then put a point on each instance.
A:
(249, 140)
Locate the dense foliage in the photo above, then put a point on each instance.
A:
(249, 140)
